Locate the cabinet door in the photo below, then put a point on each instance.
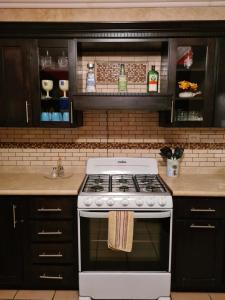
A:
(14, 83)
(56, 84)
(197, 254)
(11, 260)
(191, 81)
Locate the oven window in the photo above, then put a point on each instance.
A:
(150, 250)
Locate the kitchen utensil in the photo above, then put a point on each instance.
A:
(166, 152)
(178, 152)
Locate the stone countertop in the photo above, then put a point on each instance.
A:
(38, 184)
(196, 184)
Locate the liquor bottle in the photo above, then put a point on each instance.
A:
(90, 80)
(152, 81)
(122, 80)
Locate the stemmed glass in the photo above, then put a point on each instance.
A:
(47, 85)
(64, 87)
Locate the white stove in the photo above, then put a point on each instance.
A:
(124, 184)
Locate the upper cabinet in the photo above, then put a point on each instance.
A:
(112, 74)
(191, 82)
(16, 85)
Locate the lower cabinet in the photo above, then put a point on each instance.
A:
(40, 242)
(198, 244)
(11, 245)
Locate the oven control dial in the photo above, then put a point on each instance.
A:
(139, 202)
(125, 202)
(162, 202)
(99, 202)
(88, 202)
(151, 202)
(110, 202)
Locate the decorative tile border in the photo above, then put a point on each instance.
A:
(203, 146)
(108, 72)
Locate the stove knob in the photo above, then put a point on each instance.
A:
(162, 202)
(99, 202)
(124, 202)
(139, 202)
(151, 202)
(88, 202)
(110, 202)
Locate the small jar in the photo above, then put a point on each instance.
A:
(90, 80)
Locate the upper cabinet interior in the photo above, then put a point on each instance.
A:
(114, 73)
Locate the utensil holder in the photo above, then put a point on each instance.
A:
(172, 169)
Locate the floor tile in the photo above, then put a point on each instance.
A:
(66, 295)
(191, 296)
(7, 294)
(217, 296)
(35, 295)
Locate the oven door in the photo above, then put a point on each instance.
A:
(151, 243)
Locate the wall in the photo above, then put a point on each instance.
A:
(111, 133)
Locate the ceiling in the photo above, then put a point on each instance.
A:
(107, 3)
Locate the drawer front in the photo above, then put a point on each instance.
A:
(199, 207)
(51, 231)
(52, 253)
(52, 207)
(54, 276)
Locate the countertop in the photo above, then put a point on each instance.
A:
(38, 184)
(196, 184)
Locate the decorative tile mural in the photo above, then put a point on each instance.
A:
(108, 72)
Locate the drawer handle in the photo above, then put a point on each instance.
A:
(212, 210)
(50, 255)
(43, 232)
(49, 209)
(209, 226)
(44, 276)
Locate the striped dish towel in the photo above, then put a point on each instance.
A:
(120, 230)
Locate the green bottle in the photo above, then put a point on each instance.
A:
(122, 80)
(152, 81)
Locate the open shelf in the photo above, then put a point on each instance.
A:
(128, 101)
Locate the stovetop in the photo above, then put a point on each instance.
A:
(125, 183)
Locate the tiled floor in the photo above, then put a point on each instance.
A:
(73, 295)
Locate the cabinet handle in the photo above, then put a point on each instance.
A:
(204, 210)
(44, 276)
(27, 112)
(172, 112)
(42, 209)
(71, 112)
(43, 232)
(50, 255)
(203, 226)
(14, 215)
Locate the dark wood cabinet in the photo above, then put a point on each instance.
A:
(39, 242)
(16, 82)
(11, 248)
(198, 244)
(191, 61)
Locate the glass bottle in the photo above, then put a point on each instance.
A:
(122, 80)
(152, 81)
(90, 80)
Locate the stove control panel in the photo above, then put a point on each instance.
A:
(117, 202)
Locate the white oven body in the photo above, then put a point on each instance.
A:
(125, 284)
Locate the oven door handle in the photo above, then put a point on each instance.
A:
(144, 215)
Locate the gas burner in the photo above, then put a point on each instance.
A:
(148, 188)
(98, 180)
(123, 180)
(145, 180)
(124, 188)
(96, 188)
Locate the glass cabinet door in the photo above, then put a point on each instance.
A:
(192, 81)
(54, 82)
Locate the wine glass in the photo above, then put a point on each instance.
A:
(63, 61)
(47, 85)
(64, 87)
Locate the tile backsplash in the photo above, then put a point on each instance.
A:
(110, 133)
